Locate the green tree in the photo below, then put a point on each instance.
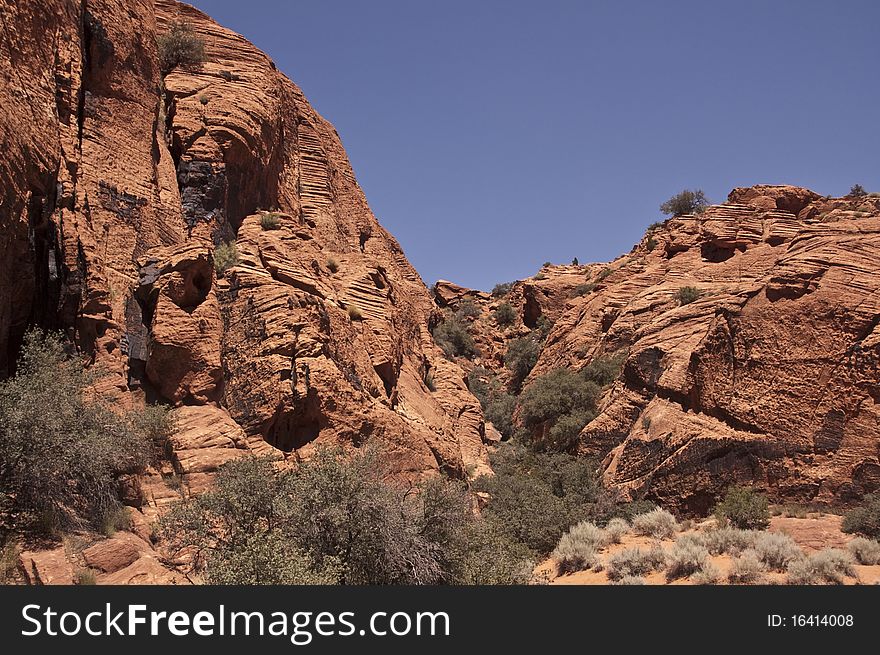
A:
(686, 202)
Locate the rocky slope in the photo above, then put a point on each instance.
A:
(770, 377)
(118, 183)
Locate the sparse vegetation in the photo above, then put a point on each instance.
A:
(505, 315)
(686, 202)
(453, 337)
(857, 191)
(520, 358)
(270, 221)
(628, 580)
(575, 262)
(225, 257)
(429, 381)
(708, 574)
(583, 289)
(746, 569)
(577, 549)
(777, 551)
(687, 557)
(728, 540)
(332, 265)
(556, 407)
(864, 519)
(744, 508)
(635, 562)
(204, 99)
(865, 551)
(59, 467)
(615, 530)
(502, 289)
(687, 295)
(180, 47)
(650, 244)
(355, 313)
(85, 577)
(657, 523)
(828, 566)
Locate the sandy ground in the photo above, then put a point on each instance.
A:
(815, 532)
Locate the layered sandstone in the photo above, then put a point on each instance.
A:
(117, 185)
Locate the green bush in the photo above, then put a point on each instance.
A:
(864, 519)
(657, 523)
(857, 191)
(604, 369)
(225, 257)
(493, 558)
(828, 566)
(502, 289)
(536, 497)
(744, 508)
(355, 313)
(583, 289)
(270, 221)
(560, 393)
(686, 202)
(520, 358)
(62, 449)
(687, 295)
(332, 265)
(181, 47)
(499, 411)
(505, 314)
(650, 244)
(635, 562)
(332, 519)
(454, 339)
(865, 551)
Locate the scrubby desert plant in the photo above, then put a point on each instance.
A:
(615, 530)
(743, 507)
(505, 314)
(728, 540)
(225, 257)
(828, 566)
(657, 523)
(628, 580)
(865, 551)
(560, 398)
(85, 577)
(583, 289)
(355, 313)
(747, 568)
(857, 191)
(181, 47)
(864, 519)
(685, 558)
(576, 550)
(502, 289)
(686, 202)
(707, 575)
(453, 337)
(687, 295)
(332, 265)
(520, 358)
(270, 221)
(635, 561)
(776, 550)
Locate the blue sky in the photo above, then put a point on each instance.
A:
(492, 136)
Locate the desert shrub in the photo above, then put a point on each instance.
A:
(657, 523)
(225, 257)
(857, 190)
(332, 265)
(453, 338)
(865, 551)
(204, 99)
(630, 580)
(576, 550)
(604, 369)
(747, 568)
(270, 221)
(115, 520)
(685, 558)
(550, 398)
(536, 497)
(828, 566)
(180, 46)
(650, 244)
(708, 574)
(743, 507)
(61, 448)
(776, 550)
(493, 558)
(331, 520)
(429, 381)
(499, 411)
(520, 358)
(687, 295)
(540, 276)
(9, 554)
(502, 289)
(85, 577)
(467, 308)
(505, 314)
(635, 562)
(728, 540)
(583, 289)
(615, 530)
(575, 262)
(355, 313)
(864, 519)
(686, 202)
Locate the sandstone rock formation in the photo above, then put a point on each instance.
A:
(117, 185)
(770, 377)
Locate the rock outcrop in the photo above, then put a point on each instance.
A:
(117, 185)
(770, 376)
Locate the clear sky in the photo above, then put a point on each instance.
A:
(490, 136)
